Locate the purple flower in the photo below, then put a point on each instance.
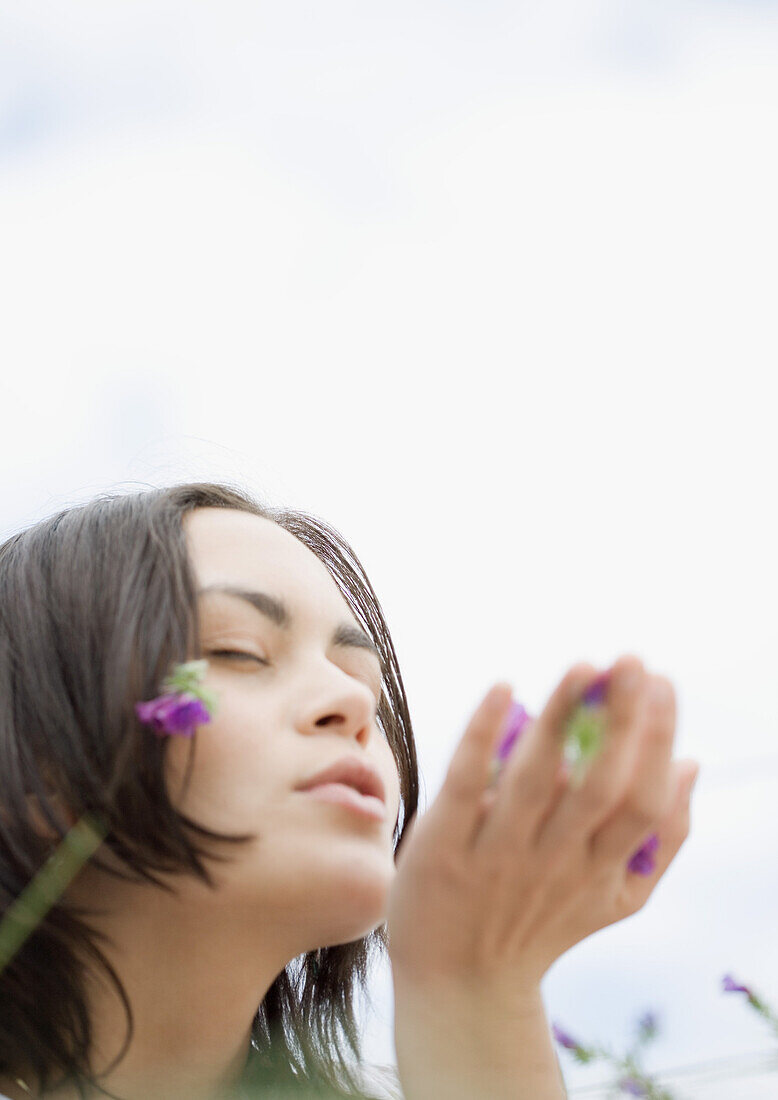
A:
(648, 1024)
(642, 862)
(729, 985)
(632, 1086)
(563, 1038)
(596, 691)
(174, 712)
(515, 724)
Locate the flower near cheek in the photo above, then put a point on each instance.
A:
(184, 703)
(173, 713)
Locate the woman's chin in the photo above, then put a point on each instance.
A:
(357, 909)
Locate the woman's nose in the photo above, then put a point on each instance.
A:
(348, 708)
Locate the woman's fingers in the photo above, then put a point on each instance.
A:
(584, 808)
(531, 779)
(457, 810)
(650, 791)
(672, 831)
(478, 892)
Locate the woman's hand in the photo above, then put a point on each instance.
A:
(493, 885)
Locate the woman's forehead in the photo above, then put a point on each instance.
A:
(232, 548)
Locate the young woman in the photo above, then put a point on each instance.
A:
(213, 945)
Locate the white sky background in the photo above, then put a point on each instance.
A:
(490, 287)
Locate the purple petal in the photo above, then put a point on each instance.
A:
(597, 690)
(146, 712)
(563, 1038)
(729, 985)
(173, 712)
(155, 712)
(515, 724)
(188, 712)
(643, 862)
(648, 1022)
(632, 1086)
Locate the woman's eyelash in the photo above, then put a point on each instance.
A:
(251, 657)
(237, 653)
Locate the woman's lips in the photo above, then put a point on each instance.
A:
(343, 795)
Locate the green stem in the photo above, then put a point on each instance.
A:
(27, 911)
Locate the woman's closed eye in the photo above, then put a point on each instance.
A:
(236, 654)
(241, 655)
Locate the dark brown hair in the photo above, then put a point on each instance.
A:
(96, 604)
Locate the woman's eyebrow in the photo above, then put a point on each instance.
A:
(276, 610)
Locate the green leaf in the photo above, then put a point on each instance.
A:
(187, 676)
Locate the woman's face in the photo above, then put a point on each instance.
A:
(292, 700)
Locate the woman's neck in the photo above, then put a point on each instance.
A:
(194, 978)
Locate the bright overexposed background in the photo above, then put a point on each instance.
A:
(491, 287)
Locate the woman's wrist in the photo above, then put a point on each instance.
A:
(455, 1041)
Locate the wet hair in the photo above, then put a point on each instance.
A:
(97, 603)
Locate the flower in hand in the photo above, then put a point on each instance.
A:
(643, 862)
(585, 730)
(517, 721)
(583, 740)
